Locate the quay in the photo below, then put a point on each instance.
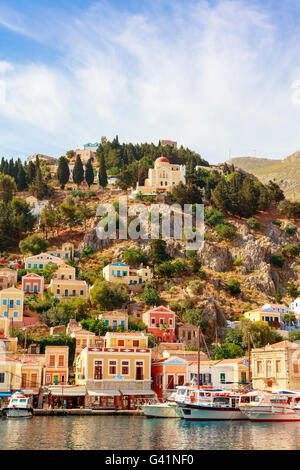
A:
(85, 412)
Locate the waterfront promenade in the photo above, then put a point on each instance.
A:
(85, 412)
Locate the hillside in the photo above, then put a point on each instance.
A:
(285, 172)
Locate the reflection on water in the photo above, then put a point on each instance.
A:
(133, 433)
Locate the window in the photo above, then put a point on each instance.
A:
(171, 322)
(121, 342)
(24, 381)
(180, 379)
(135, 343)
(33, 380)
(125, 367)
(61, 361)
(52, 361)
(63, 378)
(58, 291)
(112, 365)
(16, 314)
(2, 377)
(98, 370)
(18, 302)
(81, 292)
(222, 378)
(243, 377)
(278, 366)
(268, 368)
(4, 301)
(11, 303)
(259, 367)
(295, 367)
(153, 321)
(66, 292)
(74, 292)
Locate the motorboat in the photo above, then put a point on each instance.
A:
(205, 404)
(20, 406)
(271, 405)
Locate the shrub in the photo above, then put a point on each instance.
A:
(276, 222)
(226, 231)
(134, 256)
(196, 287)
(277, 259)
(253, 223)
(291, 250)
(213, 217)
(233, 286)
(291, 229)
(238, 262)
(150, 295)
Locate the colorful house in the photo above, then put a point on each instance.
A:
(295, 306)
(121, 272)
(117, 375)
(225, 373)
(41, 260)
(33, 284)
(66, 252)
(160, 322)
(167, 374)
(268, 313)
(69, 289)
(11, 304)
(8, 278)
(10, 375)
(84, 339)
(115, 319)
(65, 273)
(56, 371)
(276, 366)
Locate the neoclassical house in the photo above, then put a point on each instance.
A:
(163, 176)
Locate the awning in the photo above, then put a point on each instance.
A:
(68, 392)
(138, 392)
(104, 393)
(5, 394)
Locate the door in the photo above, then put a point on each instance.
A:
(139, 371)
(56, 379)
(115, 324)
(171, 382)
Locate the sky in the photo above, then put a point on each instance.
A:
(219, 77)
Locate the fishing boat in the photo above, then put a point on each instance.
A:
(271, 405)
(168, 409)
(19, 406)
(206, 404)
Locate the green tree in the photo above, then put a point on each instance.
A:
(63, 172)
(78, 171)
(158, 251)
(233, 286)
(228, 351)
(292, 290)
(278, 294)
(134, 257)
(150, 295)
(89, 173)
(102, 172)
(108, 296)
(7, 188)
(21, 177)
(33, 244)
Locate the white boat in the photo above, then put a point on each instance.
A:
(206, 404)
(270, 405)
(19, 406)
(168, 409)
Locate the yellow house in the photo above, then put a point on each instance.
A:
(66, 252)
(118, 374)
(41, 260)
(56, 371)
(65, 272)
(32, 374)
(11, 304)
(163, 176)
(115, 319)
(121, 272)
(69, 289)
(4, 326)
(268, 313)
(276, 366)
(10, 375)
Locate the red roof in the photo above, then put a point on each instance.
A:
(162, 160)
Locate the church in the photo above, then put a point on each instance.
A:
(163, 177)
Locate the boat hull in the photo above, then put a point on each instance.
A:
(160, 411)
(271, 414)
(17, 412)
(210, 413)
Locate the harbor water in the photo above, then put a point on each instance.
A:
(139, 433)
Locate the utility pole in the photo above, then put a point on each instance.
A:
(199, 343)
(249, 356)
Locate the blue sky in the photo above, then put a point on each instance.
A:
(221, 77)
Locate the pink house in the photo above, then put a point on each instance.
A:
(32, 284)
(161, 323)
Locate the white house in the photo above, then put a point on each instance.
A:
(295, 306)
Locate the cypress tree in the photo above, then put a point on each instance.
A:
(89, 173)
(102, 172)
(63, 172)
(31, 172)
(21, 177)
(78, 172)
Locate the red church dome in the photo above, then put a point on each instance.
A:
(162, 160)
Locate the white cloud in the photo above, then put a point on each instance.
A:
(212, 77)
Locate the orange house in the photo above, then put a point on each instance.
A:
(167, 374)
(56, 371)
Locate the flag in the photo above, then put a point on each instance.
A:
(245, 362)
